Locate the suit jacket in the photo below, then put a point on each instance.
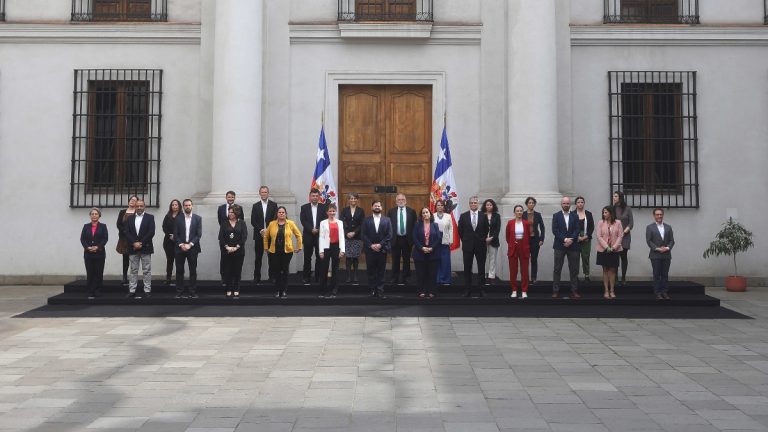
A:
(195, 231)
(352, 222)
(145, 234)
(473, 240)
(259, 220)
(325, 235)
(305, 216)
(383, 236)
(233, 236)
(290, 228)
(410, 222)
(221, 214)
(523, 247)
(494, 229)
(435, 242)
(88, 239)
(539, 230)
(609, 235)
(654, 240)
(560, 232)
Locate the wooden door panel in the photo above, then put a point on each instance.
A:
(385, 138)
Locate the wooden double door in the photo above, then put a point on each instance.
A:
(385, 139)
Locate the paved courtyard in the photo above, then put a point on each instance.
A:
(381, 374)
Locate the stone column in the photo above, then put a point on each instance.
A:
(237, 98)
(532, 101)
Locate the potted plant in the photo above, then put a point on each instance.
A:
(730, 240)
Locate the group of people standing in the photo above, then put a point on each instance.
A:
(330, 235)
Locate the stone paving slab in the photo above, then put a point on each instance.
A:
(373, 374)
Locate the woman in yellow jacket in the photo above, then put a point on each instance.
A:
(279, 244)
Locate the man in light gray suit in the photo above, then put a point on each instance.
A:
(661, 240)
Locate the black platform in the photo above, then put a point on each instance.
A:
(634, 300)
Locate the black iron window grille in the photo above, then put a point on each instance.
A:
(651, 11)
(385, 10)
(653, 138)
(765, 9)
(2, 10)
(119, 10)
(116, 137)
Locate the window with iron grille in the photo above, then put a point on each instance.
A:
(651, 11)
(119, 10)
(116, 137)
(385, 10)
(653, 138)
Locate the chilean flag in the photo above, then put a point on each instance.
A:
(444, 188)
(322, 179)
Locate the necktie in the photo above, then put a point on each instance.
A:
(474, 220)
(402, 221)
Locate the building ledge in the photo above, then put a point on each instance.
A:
(677, 35)
(385, 30)
(458, 34)
(67, 33)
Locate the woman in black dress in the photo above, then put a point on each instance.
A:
(169, 243)
(352, 218)
(233, 233)
(491, 211)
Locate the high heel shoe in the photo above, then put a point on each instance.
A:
(606, 295)
(229, 294)
(236, 294)
(613, 295)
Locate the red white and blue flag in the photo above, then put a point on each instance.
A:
(322, 179)
(444, 187)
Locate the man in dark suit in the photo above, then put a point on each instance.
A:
(377, 236)
(310, 215)
(221, 215)
(139, 231)
(263, 212)
(660, 240)
(403, 219)
(565, 230)
(187, 231)
(473, 230)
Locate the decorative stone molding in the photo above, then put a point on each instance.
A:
(668, 35)
(67, 33)
(430, 34)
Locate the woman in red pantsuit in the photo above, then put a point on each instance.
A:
(518, 251)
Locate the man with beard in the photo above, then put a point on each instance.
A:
(139, 231)
(377, 237)
(263, 212)
(187, 232)
(311, 214)
(222, 214)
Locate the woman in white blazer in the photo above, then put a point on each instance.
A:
(332, 248)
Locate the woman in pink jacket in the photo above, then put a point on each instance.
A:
(609, 233)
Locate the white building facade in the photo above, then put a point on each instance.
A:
(666, 100)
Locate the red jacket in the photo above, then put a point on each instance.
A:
(515, 247)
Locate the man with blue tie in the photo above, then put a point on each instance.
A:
(565, 230)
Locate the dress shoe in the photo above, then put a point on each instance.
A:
(130, 295)
(178, 296)
(193, 296)
(277, 294)
(665, 295)
(575, 295)
(586, 279)
(382, 296)
(283, 295)
(393, 281)
(91, 297)
(305, 281)
(555, 295)
(147, 295)
(372, 294)
(659, 297)
(467, 294)
(482, 293)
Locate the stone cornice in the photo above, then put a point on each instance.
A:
(620, 35)
(66, 33)
(434, 34)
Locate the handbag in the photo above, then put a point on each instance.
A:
(122, 246)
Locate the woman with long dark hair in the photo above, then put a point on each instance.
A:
(609, 236)
(623, 214)
(332, 246)
(445, 224)
(518, 235)
(427, 242)
(491, 211)
(352, 218)
(169, 243)
(122, 241)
